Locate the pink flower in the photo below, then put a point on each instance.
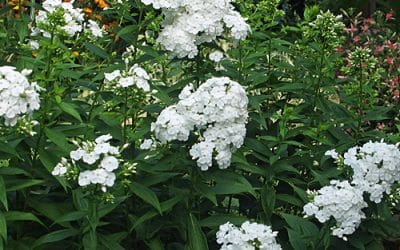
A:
(389, 60)
(380, 125)
(356, 39)
(378, 49)
(389, 16)
(364, 28)
(390, 45)
(395, 80)
(339, 49)
(368, 21)
(351, 30)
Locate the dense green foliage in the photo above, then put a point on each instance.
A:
(304, 99)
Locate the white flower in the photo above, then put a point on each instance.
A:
(216, 56)
(18, 97)
(85, 178)
(341, 201)
(140, 77)
(94, 29)
(246, 237)
(146, 144)
(109, 163)
(218, 108)
(72, 20)
(109, 77)
(125, 82)
(61, 168)
(76, 155)
(135, 75)
(33, 44)
(170, 125)
(332, 153)
(90, 152)
(376, 167)
(188, 24)
(103, 138)
(90, 158)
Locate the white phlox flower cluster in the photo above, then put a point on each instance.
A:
(133, 76)
(341, 201)
(218, 108)
(376, 167)
(18, 97)
(65, 18)
(216, 56)
(100, 154)
(189, 23)
(250, 236)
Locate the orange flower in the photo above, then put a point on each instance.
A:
(16, 4)
(88, 11)
(101, 3)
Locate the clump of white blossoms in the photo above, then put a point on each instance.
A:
(132, 76)
(341, 201)
(218, 108)
(216, 56)
(376, 167)
(188, 24)
(18, 97)
(250, 236)
(100, 155)
(61, 17)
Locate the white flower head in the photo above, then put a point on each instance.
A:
(247, 236)
(100, 154)
(341, 201)
(188, 24)
(218, 108)
(18, 97)
(216, 56)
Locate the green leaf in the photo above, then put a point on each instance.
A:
(301, 225)
(22, 216)
(195, 236)
(296, 240)
(3, 227)
(17, 184)
(3, 193)
(70, 109)
(206, 191)
(89, 240)
(96, 50)
(6, 148)
(232, 183)
(58, 138)
(72, 216)
(146, 194)
(268, 196)
(112, 241)
(55, 236)
(214, 221)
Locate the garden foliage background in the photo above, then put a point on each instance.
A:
(308, 92)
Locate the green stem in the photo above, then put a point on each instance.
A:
(94, 102)
(360, 104)
(45, 102)
(241, 78)
(125, 114)
(320, 72)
